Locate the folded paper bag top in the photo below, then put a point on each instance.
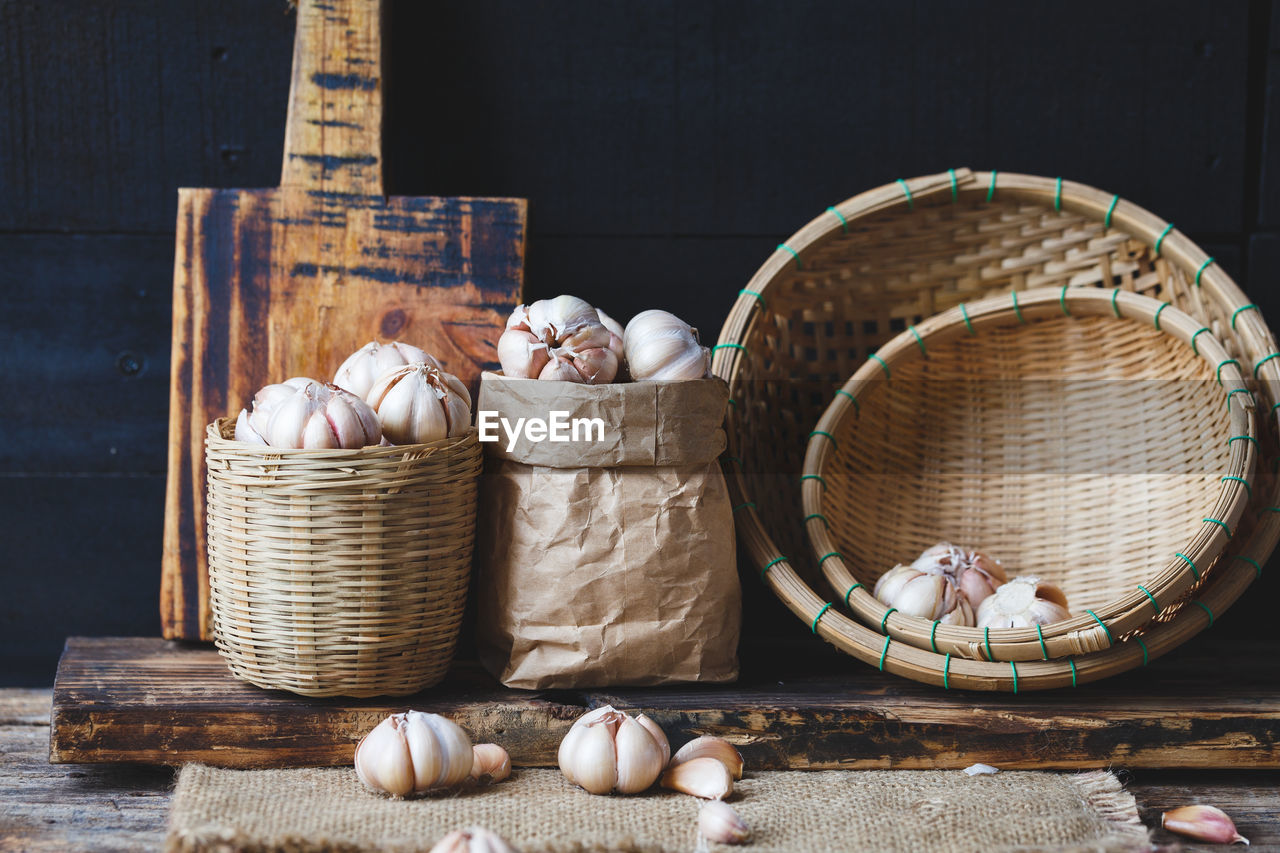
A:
(620, 424)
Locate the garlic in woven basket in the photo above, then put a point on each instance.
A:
(304, 413)
(607, 750)
(561, 338)
(944, 584)
(363, 367)
(418, 403)
(1023, 603)
(661, 346)
(412, 753)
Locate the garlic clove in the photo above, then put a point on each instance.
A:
(345, 423)
(473, 840)
(659, 736)
(615, 333)
(1203, 823)
(383, 762)
(595, 760)
(924, 596)
(890, 584)
(424, 750)
(519, 318)
(1021, 603)
(521, 354)
(490, 762)
(717, 821)
(711, 747)
(597, 366)
(568, 751)
(704, 777)
(561, 369)
(318, 434)
(455, 749)
(639, 757)
(245, 432)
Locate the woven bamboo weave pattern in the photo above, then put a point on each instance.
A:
(343, 572)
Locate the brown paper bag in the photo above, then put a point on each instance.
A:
(609, 559)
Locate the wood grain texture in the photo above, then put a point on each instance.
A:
(147, 700)
(270, 284)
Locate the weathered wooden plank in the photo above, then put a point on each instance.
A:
(145, 700)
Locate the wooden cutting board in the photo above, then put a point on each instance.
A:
(274, 283)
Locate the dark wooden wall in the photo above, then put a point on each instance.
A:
(665, 147)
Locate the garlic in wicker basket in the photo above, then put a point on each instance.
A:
(1022, 603)
(561, 338)
(304, 413)
(363, 367)
(944, 584)
(412, 753)
(607, 750)
(661, 346)
(418, 403)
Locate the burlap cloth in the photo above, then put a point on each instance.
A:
(308, 810)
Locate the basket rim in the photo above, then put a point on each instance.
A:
(1221, 589)
(1118, 616)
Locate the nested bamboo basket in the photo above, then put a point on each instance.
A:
(1098, 439)
(340, 572)
(864, 270)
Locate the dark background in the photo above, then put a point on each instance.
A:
(665, 146)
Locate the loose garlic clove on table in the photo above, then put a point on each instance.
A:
(490, 763)
(709, 746)
(473, 840)
(1023, 602)
(412, 753)
(703, 777)
(606, 750)
(717, 821)
(363, 367)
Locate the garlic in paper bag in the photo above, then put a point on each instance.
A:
(661, 346)
(1023, 603)
(418, 403)
(303, 413)
(413, 752)
(606, 750)
(363, 367)
(615, 333)
(565, 329)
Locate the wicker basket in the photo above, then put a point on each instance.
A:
(340, 572)
(863, 271)
(1092, 451)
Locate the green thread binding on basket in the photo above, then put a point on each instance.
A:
(987, 640)
(1224, 364)
(1110, 638)
(1163, 234)
(1115, 199)
(919, 341)
(911, 203)
(1151, 597)
(1256, 566)
(849, 592)
(1016, 309)
(739, 461)
(1115, 294)
(1221, 524)
(991, 191)
(817, 477)
(955, 189)
(1194, 348)
(1206, 609)
(834, 443)
(1203, 267)
(1163, 305)
(742, 505)
(1014, 667)
(1194, 570)
(1245, 438)
(1271, 509)
(1235, 391)
(1247, 487)
(770, 565)
(877, 357)
(733, 402)
(828, 556)
(728, 346)
(1062, 301)
(933, 634)
(1043, 647)
(1145, 655)
(759, 298)
(857, 407)
(1057, 195)
(814, 515)
(1258, 366)
(1072, 661)
(821, 613)
(784, 247)
(844, 223)
(1236, 313)
(946, 672)
(884, 652)
(964, 312)
(885, 620)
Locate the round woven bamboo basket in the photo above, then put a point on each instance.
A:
(966, 428)
(859, 274)
(340, 572)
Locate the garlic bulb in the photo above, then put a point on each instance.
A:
(413, 752)
(301, 412)
(490, 762)
(928, 595)
(717, 821)
(606, 750)
(474, 840)
(974, 572)
(363, 367)
(1022, 603)
(661, 346)
(704, 777)
(713, 747)
(566, 330)
(418, 403)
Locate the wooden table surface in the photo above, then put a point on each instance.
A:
(113, 807)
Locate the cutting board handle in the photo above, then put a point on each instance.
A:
(333, 133)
